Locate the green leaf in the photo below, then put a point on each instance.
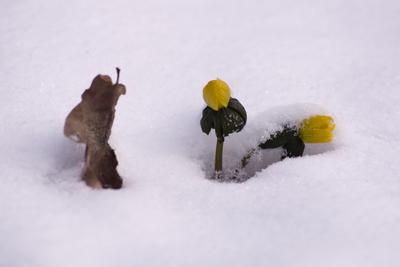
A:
(207, 120)
(288, 139)
(225, 121)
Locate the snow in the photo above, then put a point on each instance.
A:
(336, 206)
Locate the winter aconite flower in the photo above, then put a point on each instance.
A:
(292, 138)
(217, 94)
(223, 113)
(317, 129)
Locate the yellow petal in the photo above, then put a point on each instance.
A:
(317, 129)
(217, 94)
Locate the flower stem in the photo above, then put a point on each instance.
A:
(247, 157)
(218, 156)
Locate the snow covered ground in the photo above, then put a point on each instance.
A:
(338, 208)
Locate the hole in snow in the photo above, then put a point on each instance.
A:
(266, 157)
(262, 159)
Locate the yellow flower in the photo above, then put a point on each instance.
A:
(317, 129)
(216, 94)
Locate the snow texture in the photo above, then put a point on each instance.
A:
(336, 206)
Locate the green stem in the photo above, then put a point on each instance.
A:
(218, 156)
(247, 157)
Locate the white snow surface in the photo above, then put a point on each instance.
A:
(339, 205)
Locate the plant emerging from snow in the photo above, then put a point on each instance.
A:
(315, 129)
(224, 114)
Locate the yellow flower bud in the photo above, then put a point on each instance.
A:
(216, 94)
(317, 129)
